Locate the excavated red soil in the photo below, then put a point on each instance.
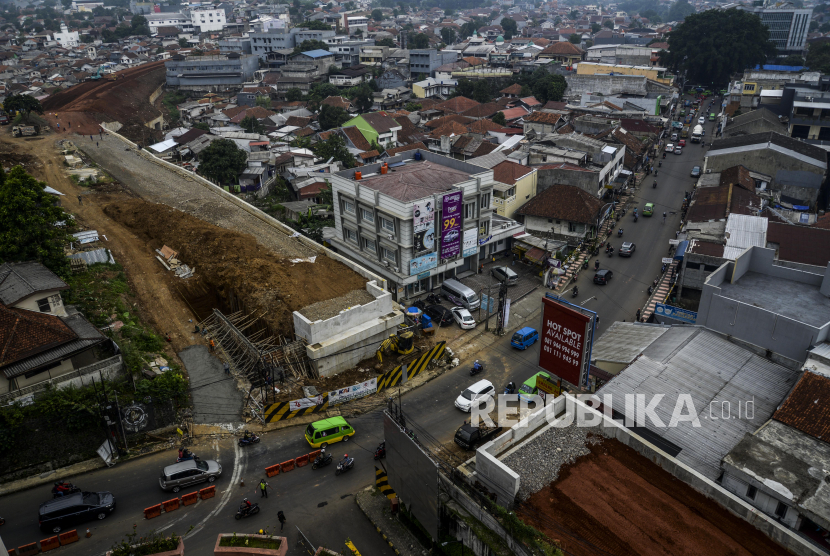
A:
(233, 271)
(617, 501)
(124, 100)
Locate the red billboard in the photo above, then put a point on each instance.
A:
(564, 340)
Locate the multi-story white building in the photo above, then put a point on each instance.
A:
(206, 20)
(154, 21)
(67, 38)
(423, 220)
(356, 23)
(788, 26)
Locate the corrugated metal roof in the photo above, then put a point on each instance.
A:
(742, 232)
(715, 374)
(95, 256)
(89, 236)
(18, 281)
(624, 341)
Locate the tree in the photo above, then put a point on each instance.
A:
(813, 26)
(448, 12)
(361, 97)
(818, 57)
(510, 28)
(575, 38)
(24, 104)
(573, 14)
(824, 27)
(418, 41)
(202, 125)
(310, 44)
(680, 10)
(316, 25)
(222, 161)
(334, 148)
(608, 23)
(251, 125)
(86, 39)
(499, 119)
(595, 27)
(448, 35)
(412, 107)
(481, 91)
(139, 26)
(332, 116)
(30, 222)
(322, 91)
(293, 94)
(385, 41)
(264, 101)
(377, 14)
(548, 87)
(713, 45)
(793, 60)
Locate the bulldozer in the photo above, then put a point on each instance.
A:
(403, 343)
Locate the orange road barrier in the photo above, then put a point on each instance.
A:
(69, 537)
(171, 505)
(301, 461)
(287, 465)
(49, 544)
(208, 492)
(152, 511)
(273, 470)
(191, 498)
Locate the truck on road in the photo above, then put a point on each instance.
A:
(24, 130)
(468, 437)
(697, 134)
(685, 133)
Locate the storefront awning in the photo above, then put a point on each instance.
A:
(535, 255)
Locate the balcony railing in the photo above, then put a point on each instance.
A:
(504, 202)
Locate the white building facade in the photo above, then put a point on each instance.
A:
(208, 20)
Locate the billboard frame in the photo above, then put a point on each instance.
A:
(590, 333)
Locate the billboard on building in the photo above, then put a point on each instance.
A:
(566, 338)
(422, 263)
(451, 215)
(470, 245)
(423, 225)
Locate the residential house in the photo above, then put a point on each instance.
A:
(515, 185)
(542, 122)
(562, 212)
(563, 51)
(377, 126)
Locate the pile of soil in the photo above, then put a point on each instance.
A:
(13, 155)
(125, 100)
(234, 267)
(617, 501)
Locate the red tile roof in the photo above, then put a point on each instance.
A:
(563, 48)
(563, 202)
(807, 408)
(405, 148)
(800, 244)
(514, 89)
(26, 333)
(543, 117)
(357, 138)
(457, 105)
(509, 172)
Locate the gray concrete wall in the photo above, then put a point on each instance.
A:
(608, 85)
(587, 181)
(765, 161)
(348, 319)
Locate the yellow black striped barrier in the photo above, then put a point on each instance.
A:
(415, 368)
(390, 378)
(282, 410)
(382, 482)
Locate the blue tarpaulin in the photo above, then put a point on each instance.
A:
(681, 250)
(774, 67)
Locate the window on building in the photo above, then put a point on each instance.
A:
(370, 245)
(484, 228)
(781, 510)
(751, 491)
(388, 254)
(572, 227)
(485, 201)
(348, 207)
(470, 210)
(367, 215)
(387, 224)
(351, 235)
(43, 305)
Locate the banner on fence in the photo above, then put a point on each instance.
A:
(353, 392)
(304, 403)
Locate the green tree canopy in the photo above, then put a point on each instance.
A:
(680, 10)
(25, 104)
(608, 23)
(311, 44)
(293, 94)
(573, 14)
(29, 222)
(332, 116)
(793, 60)
(322, 91)
(595, 27)
(361, 97)
(202, 125)
(334, 148)
(412, 107)
(251, 125)
(511, 29)
(222, 161)
(316, 25)
(448, 35)
(377, 14)
(385, 41)
(575, 38)
(818, 57)
(713, 45)
(499, 119)
(481, 91)
(418, 41)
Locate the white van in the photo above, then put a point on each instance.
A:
(460, 294)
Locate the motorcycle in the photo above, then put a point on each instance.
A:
(186, 455)
(322, 460)
(575, 292)
(585, 264)
(249, 439)
(660, 164)
(510, 388)
(433, 299)
(635, 218)
(596, 264)
(72, 489)
(650, 290)
(611, 252)
(380, 453)
(420, 305)
(476, 368)
(620, 232)
(663, 269)
(247, 511)
(2, 521)
(344, 465)
(654, 185)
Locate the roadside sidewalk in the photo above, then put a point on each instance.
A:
(377, 508)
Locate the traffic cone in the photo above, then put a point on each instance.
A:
(88, 534)
(242, 482)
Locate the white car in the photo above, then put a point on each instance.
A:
(669, 148)
(479, 392)
(701, 120)
(463, 317)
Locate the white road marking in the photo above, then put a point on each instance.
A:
(238, 468)
(172, 523)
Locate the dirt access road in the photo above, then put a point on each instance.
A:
(164, 311)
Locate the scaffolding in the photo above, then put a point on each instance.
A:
(260, 359)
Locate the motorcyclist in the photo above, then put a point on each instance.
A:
(576, 290)
(346, 460)
(511, 387)
(477, 366)
(61, 488)
(620, 232)
(245, 506)
(596, 265)
(247, 436)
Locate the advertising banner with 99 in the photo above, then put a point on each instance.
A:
(564, 335)
(451, 224)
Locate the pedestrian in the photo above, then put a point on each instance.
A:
(212, 345)
(227, 368)
(59, 126)
(677, 234)
(167, 337)
(281, 517)
(70, 124)
(481, 268)
(96, 143)
(90, 137)
(638, 315)
(263, 489)
(80, 200)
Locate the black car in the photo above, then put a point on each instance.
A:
(627, 249)
(602, 277)
(63, 512)
(441, 316)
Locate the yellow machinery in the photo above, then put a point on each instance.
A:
(403, 343)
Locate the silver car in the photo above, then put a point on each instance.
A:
(190, 472)
(504, 274)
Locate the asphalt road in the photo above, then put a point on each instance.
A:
(318, 502)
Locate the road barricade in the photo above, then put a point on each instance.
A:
(301, 461)
(273, 470)
(287, 465)
(12, 552)
(27, 549)
(49, 544)
(69, 537)
(208, 492)
(313, 455)
(171, 505)
(152, 511)
(190, 498)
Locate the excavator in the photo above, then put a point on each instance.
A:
(403, 343)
